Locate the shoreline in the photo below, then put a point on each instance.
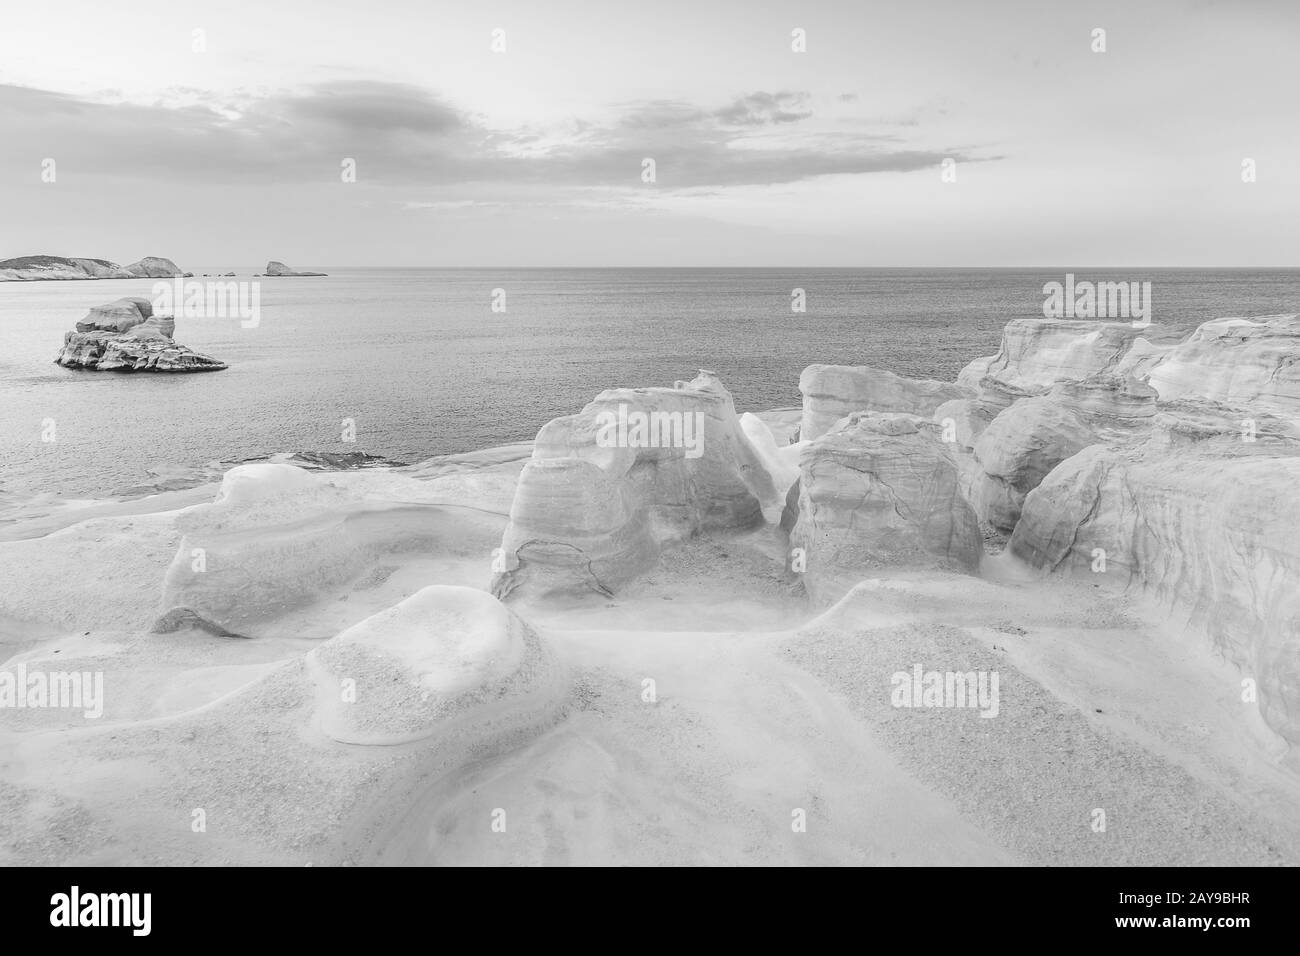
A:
(724, 645)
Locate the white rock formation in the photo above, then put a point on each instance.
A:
(276, 538)
(102, 572)
(830, 392)
(1249, 362)
(1034, 435)
(1038, 353)
(879, 491)
(119, 315)
(448, 661)
(637, 469)
(1254, 363)
(964, 419)
(1204, 519)
(126, 336)
(782, 463)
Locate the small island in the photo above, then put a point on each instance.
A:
(274, 268)
(125, 336)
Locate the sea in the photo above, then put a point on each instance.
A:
(410, 363)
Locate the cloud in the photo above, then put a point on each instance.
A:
(751, 109)
(761, 109)
(403, 136)
(369, 107)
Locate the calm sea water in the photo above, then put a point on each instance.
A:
(423, 366)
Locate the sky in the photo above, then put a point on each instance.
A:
(222, 133)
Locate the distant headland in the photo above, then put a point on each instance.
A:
(33, 268)
(37, 268)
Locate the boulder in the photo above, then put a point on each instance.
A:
(116, 316)
(879, 491)
(1034, 435)
(638, 469)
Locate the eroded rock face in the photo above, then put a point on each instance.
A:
(964, 419)
(1201, 518)
(1034, 435)
(447, 660)
(830, 392)
(575, 527)
(126, 336)
(1039, 353)
(1246, 362)
(879, 491)
(601, 496)
(1096, 371)
(147, 347)
(1017, 450)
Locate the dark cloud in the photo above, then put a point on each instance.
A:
(368, 107)
(402, 135)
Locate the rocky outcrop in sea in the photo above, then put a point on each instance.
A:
(125, 336)
(274, 268)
